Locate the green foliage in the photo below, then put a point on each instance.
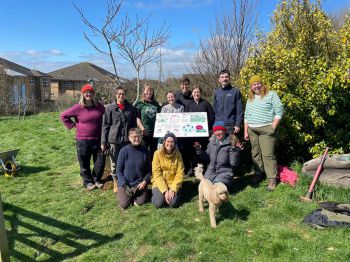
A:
(306, 60)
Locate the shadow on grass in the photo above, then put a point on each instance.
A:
(28, 170)
(189, 190)
(240, 183)
(227, 211)
(38, 226)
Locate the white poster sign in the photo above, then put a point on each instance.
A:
(193, 124)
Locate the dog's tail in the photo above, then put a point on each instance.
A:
(198, 171)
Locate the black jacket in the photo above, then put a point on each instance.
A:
(117, 123)
(183, 99)
(202, 106)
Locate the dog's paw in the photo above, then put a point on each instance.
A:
(201, 210)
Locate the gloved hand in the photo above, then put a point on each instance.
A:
(197, 146)
(130, 191)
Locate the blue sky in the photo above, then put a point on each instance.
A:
(48, 34)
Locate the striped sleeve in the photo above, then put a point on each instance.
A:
(277, 105)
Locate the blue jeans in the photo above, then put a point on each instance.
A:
(85, 150)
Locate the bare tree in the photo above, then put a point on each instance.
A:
(131, 39)
(113, 8)
(140, 47)
(228, 44)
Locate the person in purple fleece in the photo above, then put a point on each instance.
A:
(133, 171)
(86, 117)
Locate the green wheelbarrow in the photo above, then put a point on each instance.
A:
(8, 163)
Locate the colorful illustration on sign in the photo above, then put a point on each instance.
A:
(192, 124)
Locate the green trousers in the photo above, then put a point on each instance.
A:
(263, 142)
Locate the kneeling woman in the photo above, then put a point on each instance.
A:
(167, 173)
(222, 154)
(133, 171)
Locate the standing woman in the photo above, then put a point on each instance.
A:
(119, 118)
(86, 117)
(198, 104)
(263, 114)
(148, 108)
(167, 174)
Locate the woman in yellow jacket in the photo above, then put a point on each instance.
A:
(167, 173)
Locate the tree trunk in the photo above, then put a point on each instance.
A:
(137, 86)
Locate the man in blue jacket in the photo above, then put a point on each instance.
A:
(228, 104)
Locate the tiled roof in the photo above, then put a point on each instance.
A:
(14, 69)
(82, 72)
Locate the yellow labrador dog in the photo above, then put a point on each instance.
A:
(215, 194)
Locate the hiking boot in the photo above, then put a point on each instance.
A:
(98, 184)
(272, 185)
(90, 186)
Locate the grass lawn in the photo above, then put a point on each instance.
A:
(50, 217)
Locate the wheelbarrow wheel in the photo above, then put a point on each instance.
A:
(11, 166)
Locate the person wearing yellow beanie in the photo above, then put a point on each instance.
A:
(255, 78)
(263, 114)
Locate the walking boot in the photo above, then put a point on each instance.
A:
(272, 184)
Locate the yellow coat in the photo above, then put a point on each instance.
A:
(167, 171)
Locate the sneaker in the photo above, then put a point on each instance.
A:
(90, 186)
(272, 185)
(98, 184)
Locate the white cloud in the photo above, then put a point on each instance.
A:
(33, 54)
(175, 62)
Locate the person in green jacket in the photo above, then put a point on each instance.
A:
(148, 108)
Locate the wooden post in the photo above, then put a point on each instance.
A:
(4, 247)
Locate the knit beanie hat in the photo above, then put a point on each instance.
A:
(169, 134)
(87, 87)
(255, 78)
(219, 125)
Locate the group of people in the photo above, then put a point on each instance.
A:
(125, 133)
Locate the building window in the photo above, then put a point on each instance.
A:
(31, 81)
(45, 82)
(46, 95)
(65, 84)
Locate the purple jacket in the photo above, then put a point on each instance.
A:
(86, 119)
